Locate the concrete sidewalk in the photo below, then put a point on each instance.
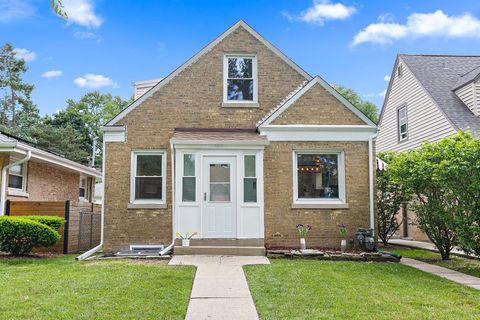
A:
(426, 246)
(220, 289)
(449, 274)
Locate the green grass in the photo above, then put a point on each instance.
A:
(309, 289)
(465, 265)
(62, 288)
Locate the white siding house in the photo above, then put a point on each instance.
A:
(429, 97)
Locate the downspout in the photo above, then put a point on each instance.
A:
(3, 191)
(87, 254)
(371, 182)
(172, 161)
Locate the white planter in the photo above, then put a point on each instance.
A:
(343, 245)
(185, 242)
(302, 244)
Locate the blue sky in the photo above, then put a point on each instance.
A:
(108, 44)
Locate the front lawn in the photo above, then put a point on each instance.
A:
(309, 289)
(62, 288)
(465, 265)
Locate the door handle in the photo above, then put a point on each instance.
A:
(204, 196)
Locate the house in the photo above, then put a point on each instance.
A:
(38, 179)
(238, 144)
(429, 97)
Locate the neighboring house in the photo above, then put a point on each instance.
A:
(34, 174)
(429, 97)
(239, 143)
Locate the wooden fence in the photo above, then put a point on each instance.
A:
(71, 239)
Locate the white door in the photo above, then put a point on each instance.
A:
(219, 197)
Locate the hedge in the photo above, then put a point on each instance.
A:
(19, 235)
(52, 221)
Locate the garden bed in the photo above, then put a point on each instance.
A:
(331, 255)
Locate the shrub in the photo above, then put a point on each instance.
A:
(52, 221)
(19, 236)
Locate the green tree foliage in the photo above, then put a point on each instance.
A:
(366, 107)
(58, 8)
(390, 196)
(17, 111)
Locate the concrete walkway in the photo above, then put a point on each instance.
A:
(449, 274)
(426, 246)
(220, 289)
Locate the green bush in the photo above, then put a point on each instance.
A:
(52, 221)
(19, 236)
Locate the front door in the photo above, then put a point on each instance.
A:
(219, 218)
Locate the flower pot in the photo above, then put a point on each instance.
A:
(185, 242)
(302, 244)
(343, 245)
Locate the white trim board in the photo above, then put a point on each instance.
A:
(280, 109)
(197, 56)
(317, 132)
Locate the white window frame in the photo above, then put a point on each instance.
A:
(399, 123)
(85, 198)
(254, 77)
(133, 171)
(341, 200)
(195, 163)
(12, 190)
(249, 177)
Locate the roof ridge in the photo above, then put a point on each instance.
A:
(463, 75)
(285, 100)
(440, 55)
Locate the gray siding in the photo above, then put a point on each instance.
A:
(425, 121)
(467, 95)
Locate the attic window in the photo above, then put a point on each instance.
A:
(402, 123)
(240, 79)
(400, 70)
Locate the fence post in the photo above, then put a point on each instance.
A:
(80, 230)
(7, 208)
(91, 229)
(66, 227)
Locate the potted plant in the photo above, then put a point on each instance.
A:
(186, 238)
(302, 232)
(342, 230)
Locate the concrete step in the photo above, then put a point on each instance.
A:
(220, 250)
(224, 242)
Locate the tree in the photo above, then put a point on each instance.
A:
(58, 8)
(390, 196)
(16, 103)
(366, 107)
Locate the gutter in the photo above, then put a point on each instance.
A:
(87, 254)
(172, 161)
(3, 191)
(370, 176)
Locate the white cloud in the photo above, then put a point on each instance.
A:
(14, 10)
(25, 54)
(52, 74)
(386, 78)
(82, 12)
(82, 35)
(94, 81)
(321, 11)
(436, 24)
(368, 95)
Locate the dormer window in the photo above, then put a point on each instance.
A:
(240, 79)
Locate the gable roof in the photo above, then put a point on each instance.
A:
(470, 76)
(439, 74)
(12, 144)
(300, 91)
(197, 56)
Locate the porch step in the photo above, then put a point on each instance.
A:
(220, 250)
(224, 242)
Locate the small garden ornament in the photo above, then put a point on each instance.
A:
(186, 238)
(302, 232)
(342, 229)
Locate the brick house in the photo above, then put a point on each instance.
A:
(33, 174)
(239, 144)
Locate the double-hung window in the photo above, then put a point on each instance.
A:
(188, 180)
(240, 79)
(402, 123)
(250, 179)
(83, 189)
(17, 176)
(319, 177)
(148, 177)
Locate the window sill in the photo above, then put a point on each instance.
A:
(18, 193)
(147, 206)
(320, 205)
(240, 105)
